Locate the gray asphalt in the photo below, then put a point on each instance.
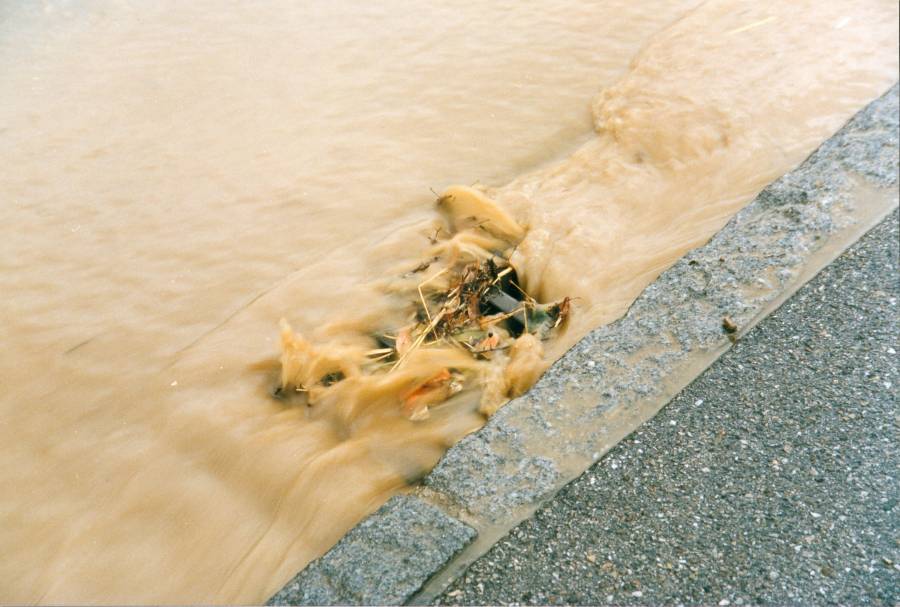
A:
(772, 478)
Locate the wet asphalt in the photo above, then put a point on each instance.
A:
(771, 479)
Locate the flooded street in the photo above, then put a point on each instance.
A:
(178, 178)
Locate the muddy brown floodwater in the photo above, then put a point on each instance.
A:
(178, 177)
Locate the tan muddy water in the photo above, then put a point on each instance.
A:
(178, 177)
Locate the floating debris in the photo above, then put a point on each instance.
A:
(471, 302)
(729, 325)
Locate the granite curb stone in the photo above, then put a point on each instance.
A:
(748, 264)
(524, 453)
(381, 561)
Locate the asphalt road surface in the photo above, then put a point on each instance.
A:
(772, 478)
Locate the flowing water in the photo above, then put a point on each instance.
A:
(178, 177)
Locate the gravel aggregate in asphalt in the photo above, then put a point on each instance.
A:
(772, 478)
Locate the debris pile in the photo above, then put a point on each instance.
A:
(470, 323)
